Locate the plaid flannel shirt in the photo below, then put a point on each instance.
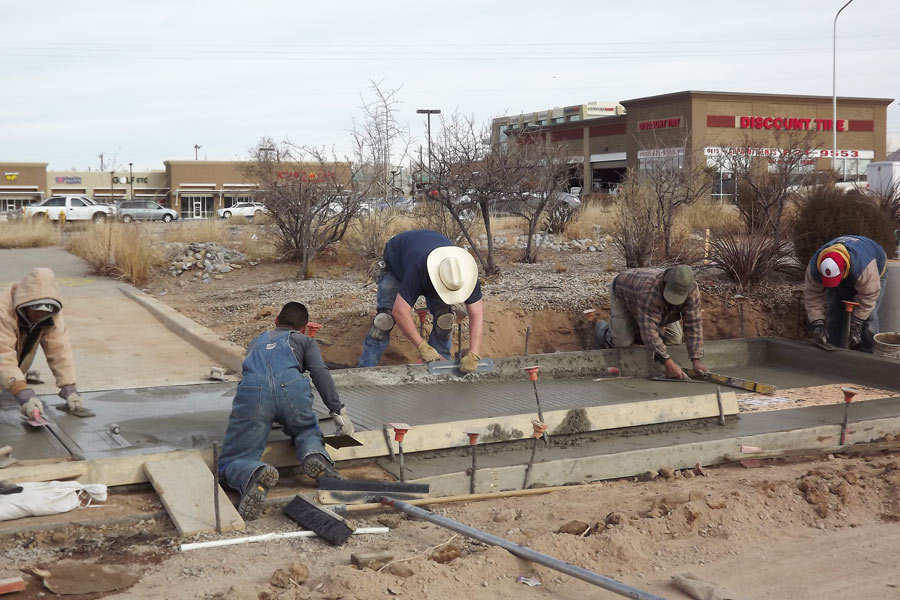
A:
(641, 292)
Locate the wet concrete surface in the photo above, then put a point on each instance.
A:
(194, 416)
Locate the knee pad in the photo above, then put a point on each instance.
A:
(443, 324)
(381, 326)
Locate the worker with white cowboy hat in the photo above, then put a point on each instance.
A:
(849, 267)
(425, 263)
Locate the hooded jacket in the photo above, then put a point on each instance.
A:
(19, 338)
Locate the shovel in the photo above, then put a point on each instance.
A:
(451, 367)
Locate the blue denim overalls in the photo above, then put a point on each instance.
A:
(272, 389)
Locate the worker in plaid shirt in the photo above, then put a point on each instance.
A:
(650, 305)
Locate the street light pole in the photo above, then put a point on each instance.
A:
(429, 112)
(834, 89)
(131, 180)
(196, 147)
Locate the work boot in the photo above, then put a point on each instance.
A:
(253, 500)
(601, 335)
(317, 466)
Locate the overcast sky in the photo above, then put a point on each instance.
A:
(144, 82)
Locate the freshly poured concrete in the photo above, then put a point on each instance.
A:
(155, 420)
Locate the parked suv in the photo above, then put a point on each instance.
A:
(145, 210)
(76, 208)
(243, 209)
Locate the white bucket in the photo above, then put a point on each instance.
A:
(887, 344)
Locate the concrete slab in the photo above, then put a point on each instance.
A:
(116, 342)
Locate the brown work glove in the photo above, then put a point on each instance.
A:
(469, 363)
(427, 353)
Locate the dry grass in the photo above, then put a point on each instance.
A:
(200, 230)
(708, 214)
(131, 248)
(591, 214)
(257, 244)
(33, 233)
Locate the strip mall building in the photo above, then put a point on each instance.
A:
(707, 125)
(196, 189)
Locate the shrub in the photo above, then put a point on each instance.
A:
(747, 258)
(828, 213)
(31, 233)
(132, 251)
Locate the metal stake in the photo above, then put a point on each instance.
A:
(721, 408)
(527, 335)
(216, 486)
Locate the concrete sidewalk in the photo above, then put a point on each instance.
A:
(117, 342)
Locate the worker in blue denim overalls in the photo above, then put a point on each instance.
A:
(274, 388)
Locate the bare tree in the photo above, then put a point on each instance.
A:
(377, 139)
(636, 231)
(765, 178)
(674, 179)
(309, 195)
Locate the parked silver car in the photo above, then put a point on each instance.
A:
(145, 210)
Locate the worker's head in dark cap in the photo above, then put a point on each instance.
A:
(678, 283)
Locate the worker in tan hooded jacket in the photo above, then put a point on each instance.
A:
(30, 315)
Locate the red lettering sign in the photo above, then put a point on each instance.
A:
(667, 123)
(790, 123)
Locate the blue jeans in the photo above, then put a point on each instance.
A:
(273, 389)
(384, 302)
(836, 316)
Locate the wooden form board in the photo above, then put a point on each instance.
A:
(185, 486)
(126, 470)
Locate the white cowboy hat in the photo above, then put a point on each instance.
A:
(453, 273)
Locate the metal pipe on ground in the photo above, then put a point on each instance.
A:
(522, 552)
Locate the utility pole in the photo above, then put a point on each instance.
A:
(196, 147)
(101, 162)
(834, 89)
(429, 112)
(131, 181)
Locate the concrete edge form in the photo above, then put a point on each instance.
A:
(635, 462)
(225, 353)
(125, 470)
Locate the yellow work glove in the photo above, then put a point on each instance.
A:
(427, 353)
(469, 363)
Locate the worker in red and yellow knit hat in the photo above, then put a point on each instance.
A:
(850, 267)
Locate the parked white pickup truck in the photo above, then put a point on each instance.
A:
(76, 208)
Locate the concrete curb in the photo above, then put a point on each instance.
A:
(225, 353)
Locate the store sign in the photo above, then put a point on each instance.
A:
(572, 110)
(303, 176)
(667, 123)
(790, 123)
(715, 151)
(659, 153)
(69, 180)
(11, 176)
(131, 180)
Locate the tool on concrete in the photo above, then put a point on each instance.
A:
(735, 382)
(36, 419)
(215, 468)
(313, 328)
(387, 441)
(443, 367)
(670, 380)
(422, 312)
(33, 377)
(268, 537)
(824, 346)
(740, 299)
(400, 430)
(521, 551)
(359, 491)
(329, 526)
(341, 441)
(113, 437)
(532, 372)
(216, 374)
(721, 406)
(849, 393)
(848, 308)
(6, 458)
(473, 442)
(78, 412)
(527, 336)
(538, 429)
